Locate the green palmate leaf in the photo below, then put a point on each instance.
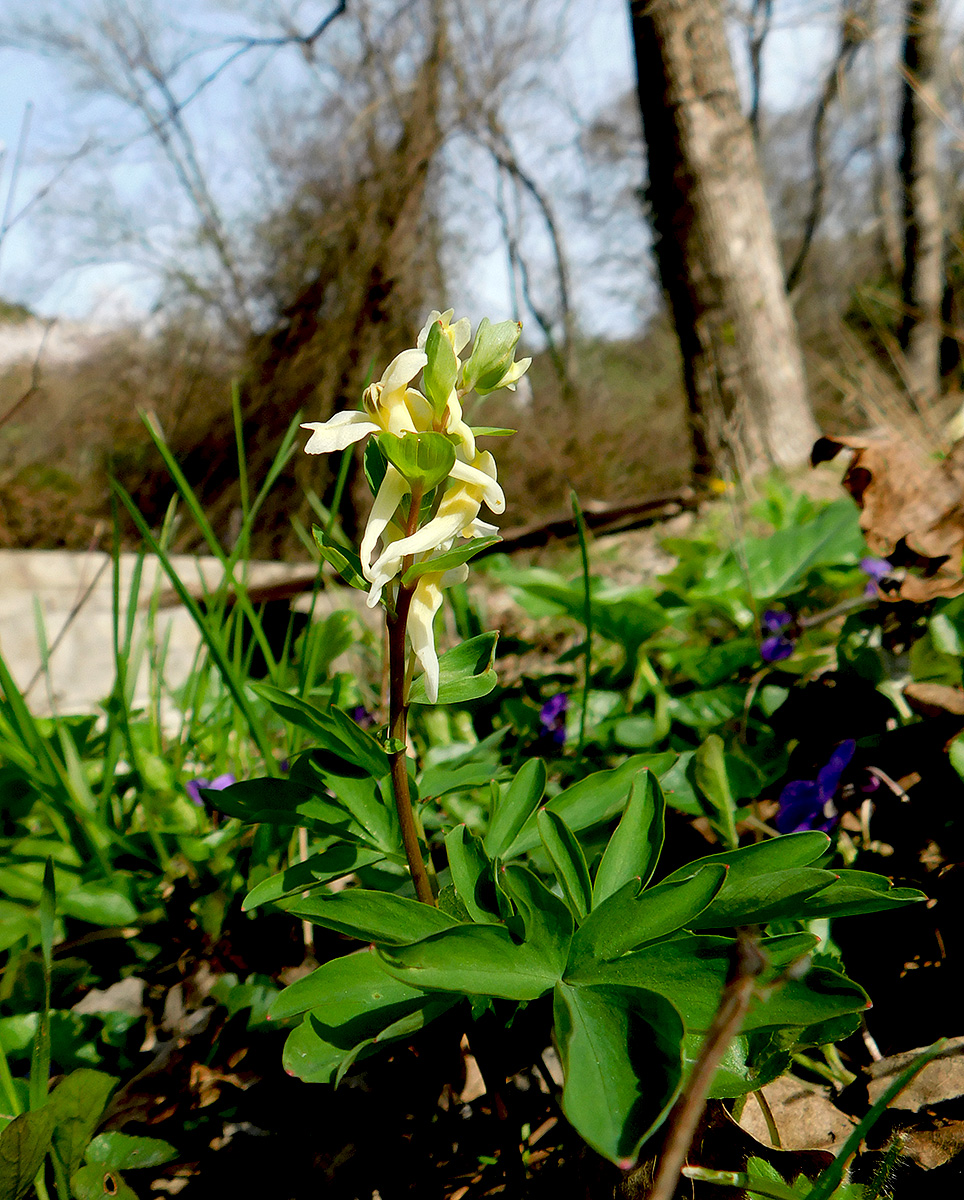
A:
(594, 799)
(514, 806)
(366, 798)
(77, 1103)
(23, 1144)
(491, 354)
(449, 560)
(764, 898)
(743, 1068)
(634, 848)
(748, 862)
(691, 972)
(424, 459)
(547, 922)
(358, 1008)
(447, 777)
(479, 960)
(568, 862)
(471, 873)
(344, 560)
(631, 917)
(338, 860)
(492, 431)
(855, 892)
(713, 783)
(441, 370)
(122, 1152)
(354, 994)
(379, 917)
(465, 673)
(333, 728)
(821, 995)
(93, 1182)
(286, 802)
(346, 991)
(619, 1048)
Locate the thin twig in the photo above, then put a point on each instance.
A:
(684, 1118)
(35, 376)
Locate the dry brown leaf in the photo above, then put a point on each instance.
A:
(912, 508)
(942, 1079)
(803, 1114)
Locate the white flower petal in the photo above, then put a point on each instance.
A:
(461, 331)
(402, 370)
(420, 410)
(393, 487)
(339, 432)
(426, 329)
(457, 574)
(431, 536)
(426, 601)
(483, 479)
(480, 529)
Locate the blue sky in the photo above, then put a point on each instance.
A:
(38, 259)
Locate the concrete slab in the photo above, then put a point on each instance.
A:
(71, 594)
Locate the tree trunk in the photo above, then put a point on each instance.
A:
(715, 246)
(923, 278)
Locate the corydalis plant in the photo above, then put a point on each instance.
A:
(429, 481)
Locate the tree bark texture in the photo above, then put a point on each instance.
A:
(714, 241)
(923, 278)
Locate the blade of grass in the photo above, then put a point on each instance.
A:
(217, 651)
(40, 1053)
(830, 1178)
(587, 616)
(228, 561)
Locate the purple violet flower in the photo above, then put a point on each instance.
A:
(361, 716)
(552, 718)
(808, 803)
(193, 787)
(877, 569)
(778, 645)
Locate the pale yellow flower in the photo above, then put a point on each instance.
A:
(426, 601)
(390, 406)
(457, 334)
(470, 486)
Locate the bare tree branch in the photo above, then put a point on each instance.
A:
(853, 34)
(35, 377)
(760, 19)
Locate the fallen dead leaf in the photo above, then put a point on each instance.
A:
(803, 1113)
(912, 509)
(942, 1079)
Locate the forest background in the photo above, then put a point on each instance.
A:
(272, 196)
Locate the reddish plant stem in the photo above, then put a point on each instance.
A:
(398, 720)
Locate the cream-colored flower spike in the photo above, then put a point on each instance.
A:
(457, 514)
(390, 406)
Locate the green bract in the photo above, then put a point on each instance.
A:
(441, 372)
(424, 459)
